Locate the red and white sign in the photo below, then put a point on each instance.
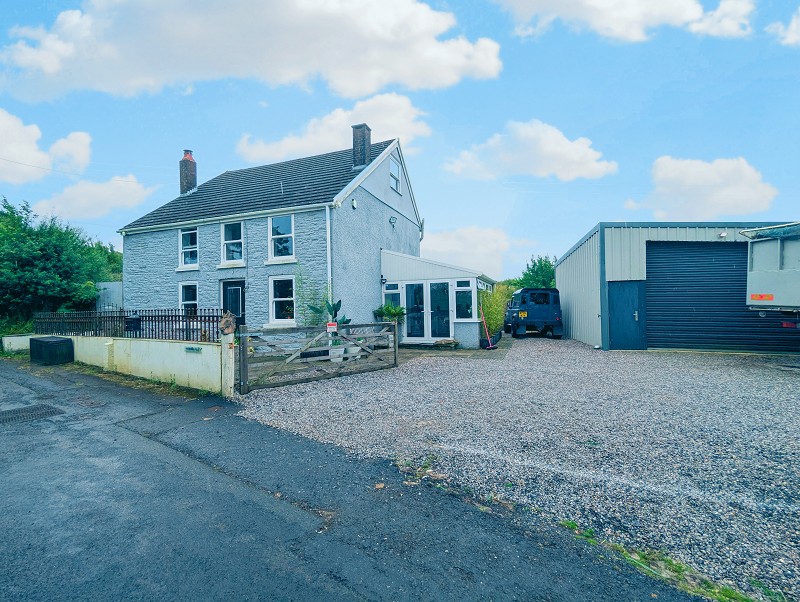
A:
(332, 326)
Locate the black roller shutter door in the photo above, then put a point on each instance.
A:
(696, 295)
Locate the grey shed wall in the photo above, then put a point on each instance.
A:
(578, 280)
(625, 244)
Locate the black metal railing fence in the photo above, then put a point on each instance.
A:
(201, 325)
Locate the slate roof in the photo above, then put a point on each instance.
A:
(294, 183)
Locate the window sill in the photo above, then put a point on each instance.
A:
(280, 324)
(231, 264)
(280, 260)
(187, 268)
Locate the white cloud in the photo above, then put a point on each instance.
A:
(88, 200)
(532, 148)
(632, 20)
(471, 247)
(22, 159)
(72, 153)
(788, 35)
(689, 189)
(730, 20)
(388, 115)
(126, 47)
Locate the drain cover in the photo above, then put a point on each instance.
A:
(28, 413)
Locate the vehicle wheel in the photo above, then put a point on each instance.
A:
(514, 334)
(557, 336)
(507, 328)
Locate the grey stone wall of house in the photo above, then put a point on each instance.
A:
(357, 236)
(109, 296)
(467, 334)
(151, 278)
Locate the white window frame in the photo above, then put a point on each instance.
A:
(471, 288)
(182, 265)
(181, 303)
(392, 291)
(394, 180)
(230, 262)
(272, 299)
(271, 257)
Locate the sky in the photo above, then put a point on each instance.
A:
(523, 123)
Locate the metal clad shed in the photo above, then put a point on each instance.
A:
(669, 285)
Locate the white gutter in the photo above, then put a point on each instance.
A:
(224, 218)
(328, 249)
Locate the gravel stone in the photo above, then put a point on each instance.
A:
(696, 454)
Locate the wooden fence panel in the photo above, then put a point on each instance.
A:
(273, 358)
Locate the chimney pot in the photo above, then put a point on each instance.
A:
(188, 172)
(362, 145)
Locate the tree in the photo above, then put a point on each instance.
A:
(539, 273)
(46, 265)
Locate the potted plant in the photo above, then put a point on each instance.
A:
(388, 312)
(332, 312)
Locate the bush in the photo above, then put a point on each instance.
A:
(9, 326)
(46, 265)
(494, 306)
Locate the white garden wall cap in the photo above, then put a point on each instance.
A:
(295, 183)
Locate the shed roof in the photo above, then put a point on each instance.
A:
(295, 183)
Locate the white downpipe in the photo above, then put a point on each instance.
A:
(328, 249)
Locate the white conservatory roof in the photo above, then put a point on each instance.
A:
(399, 267)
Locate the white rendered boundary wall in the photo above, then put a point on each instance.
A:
(207, 366)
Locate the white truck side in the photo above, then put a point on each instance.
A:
(773, 274)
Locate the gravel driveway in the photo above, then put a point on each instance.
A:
(695, 454)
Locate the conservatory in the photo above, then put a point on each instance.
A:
(441, 300)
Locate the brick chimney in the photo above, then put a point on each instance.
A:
(362, 145)
(188, 172)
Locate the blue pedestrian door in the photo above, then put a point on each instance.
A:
(627, 321)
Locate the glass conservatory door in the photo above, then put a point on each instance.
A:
(440, 310)
(415, 310)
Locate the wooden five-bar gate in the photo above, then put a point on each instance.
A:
(283, 356)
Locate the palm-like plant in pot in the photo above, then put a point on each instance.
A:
(331, 311)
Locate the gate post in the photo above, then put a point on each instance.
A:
(228, 376)
(244, 343)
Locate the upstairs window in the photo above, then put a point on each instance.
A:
(232, 242)
(281, 237)
(394, 175)
(188, 252)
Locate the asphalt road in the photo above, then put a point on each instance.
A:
(131, 494)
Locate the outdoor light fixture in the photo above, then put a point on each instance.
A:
(354, 204)
(393, 220)
(383, 280)
(723, 234)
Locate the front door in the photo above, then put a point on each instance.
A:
(233, 299)
(626, 310)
